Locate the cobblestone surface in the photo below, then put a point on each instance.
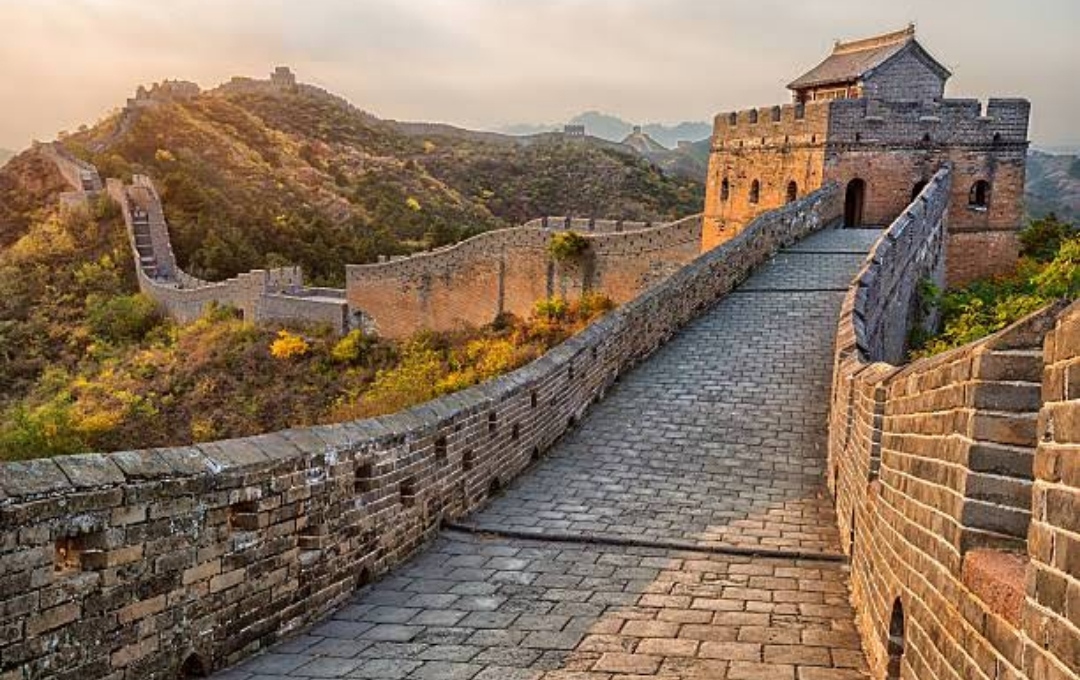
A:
(716, 440)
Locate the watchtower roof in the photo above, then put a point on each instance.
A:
(854, 60)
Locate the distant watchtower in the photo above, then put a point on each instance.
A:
(872, 117)
(283, 77)
(573, 130)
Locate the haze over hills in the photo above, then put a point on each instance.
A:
(1053, 185)
(5, 154)
(615, 129)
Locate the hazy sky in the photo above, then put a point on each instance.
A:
(484, 63)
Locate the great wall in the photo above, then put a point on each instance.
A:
(671, 493)
(472, 282)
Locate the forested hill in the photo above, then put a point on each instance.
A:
(252, 175)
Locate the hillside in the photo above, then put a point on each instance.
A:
(5, 155)
(254, 176)
(251, 175)
(1053, 185)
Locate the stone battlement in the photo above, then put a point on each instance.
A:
(952, 122)
(875, 121)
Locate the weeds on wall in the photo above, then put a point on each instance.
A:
(567, 246)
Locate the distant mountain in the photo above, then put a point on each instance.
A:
(615, 129)
(1053, 185)
(1060, 149)
(5, 155)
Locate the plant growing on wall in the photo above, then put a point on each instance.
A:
(567, 245)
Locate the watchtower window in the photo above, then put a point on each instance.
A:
(776, 114)
(753, 116)
(792, 191)
(755, 191)
(733, 119)
(979, 196)
(725, 189)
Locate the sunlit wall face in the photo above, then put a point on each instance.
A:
(486, 63)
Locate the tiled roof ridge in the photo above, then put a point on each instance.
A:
(876, 42)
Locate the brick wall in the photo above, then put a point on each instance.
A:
(932, 469)
(509, 270)
(774, 146)
(1052, 608)
(130, 565)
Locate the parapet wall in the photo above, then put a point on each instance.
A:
(952, 122)
(932, 469)
(587, 225)
(137, 564)
(509, 270)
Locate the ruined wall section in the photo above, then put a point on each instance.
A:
(140, 563)
(932, 468)
(772, 146)
(509, 270)
(894, 146)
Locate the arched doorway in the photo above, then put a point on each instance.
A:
(895, 647)
(854, 202)
(917, 189)
(792, 191)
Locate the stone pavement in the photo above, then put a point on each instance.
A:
(712, 449)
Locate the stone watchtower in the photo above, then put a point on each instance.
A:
(873, 118)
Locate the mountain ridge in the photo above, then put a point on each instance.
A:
(614, 129)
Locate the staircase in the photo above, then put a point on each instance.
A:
(140, 224)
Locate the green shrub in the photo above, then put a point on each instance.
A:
(567, 245)
(987, 306)
(1042, 238)
(121, 319)
(550, 309)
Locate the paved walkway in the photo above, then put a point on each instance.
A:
(718, 441)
